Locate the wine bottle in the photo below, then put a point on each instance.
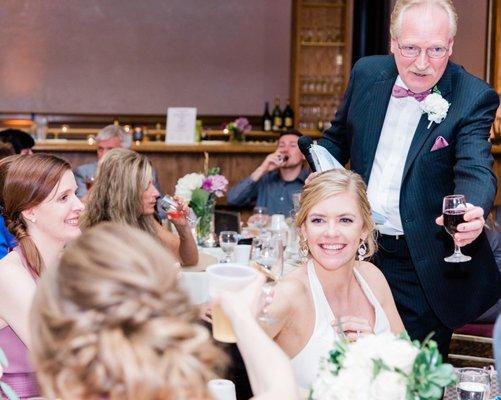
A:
(267, 121)
(277, 115)
(138, 134)
(288, 117)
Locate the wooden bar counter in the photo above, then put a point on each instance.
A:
(172, 161)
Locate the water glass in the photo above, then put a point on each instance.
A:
(260, 218)
(474, 384)
(228, 241)
(267, 256)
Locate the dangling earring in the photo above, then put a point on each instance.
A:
(362, 251)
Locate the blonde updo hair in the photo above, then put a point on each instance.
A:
(122, 177)
(110, 321)
(403, 5)
(331, 183)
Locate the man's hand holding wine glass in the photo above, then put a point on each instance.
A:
(463, 222)
(469, 230)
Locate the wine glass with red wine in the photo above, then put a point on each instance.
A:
(453, 210)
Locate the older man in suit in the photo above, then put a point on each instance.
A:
(411, 158)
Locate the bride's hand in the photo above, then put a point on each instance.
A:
(352, 327)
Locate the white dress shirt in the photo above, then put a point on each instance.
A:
(400, 123)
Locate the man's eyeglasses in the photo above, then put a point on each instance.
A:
(414, 51)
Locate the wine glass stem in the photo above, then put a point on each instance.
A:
(457, 250)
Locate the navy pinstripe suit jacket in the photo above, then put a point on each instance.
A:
(456, 292)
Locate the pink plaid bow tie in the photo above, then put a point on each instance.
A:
(399, 92)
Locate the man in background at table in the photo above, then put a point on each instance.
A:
(273, 183)
(410, 163)
(110, 137)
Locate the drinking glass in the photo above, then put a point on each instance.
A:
(260, 218)
(170, 206)
(267, 256)
(228, 241)
(453, 210)
(88, 181)
(474, 384)
(226, 277)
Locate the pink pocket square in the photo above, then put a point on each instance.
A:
(440, 143)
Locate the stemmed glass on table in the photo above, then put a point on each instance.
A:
(453, 210)
(267, 256)
(228, 241)
(260, 218)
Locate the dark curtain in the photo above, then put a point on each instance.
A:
(371, 24)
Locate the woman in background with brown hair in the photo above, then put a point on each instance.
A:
(123, 192)
(111, 322)
(41, 211)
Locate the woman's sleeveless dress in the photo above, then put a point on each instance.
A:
(306, 363)
(19, 375)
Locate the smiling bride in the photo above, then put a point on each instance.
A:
(337, 294)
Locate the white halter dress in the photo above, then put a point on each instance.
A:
(306, 363)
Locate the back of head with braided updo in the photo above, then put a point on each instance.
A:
(25, 182)
(111, 322)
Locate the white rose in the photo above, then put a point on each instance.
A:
(352, 384)
(364, 350)
(401, 354)
(187, 184)
(436, 107)
(349, 384)
(388, 386)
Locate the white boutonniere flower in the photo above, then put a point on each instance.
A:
(435, 106)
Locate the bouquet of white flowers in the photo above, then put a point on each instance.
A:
(201, 192)
(383, 367)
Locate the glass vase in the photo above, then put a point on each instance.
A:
(206, 236)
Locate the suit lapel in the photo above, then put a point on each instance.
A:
(381, 92)
(422, 131)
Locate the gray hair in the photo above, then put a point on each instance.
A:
(403, 5)
(111, 131)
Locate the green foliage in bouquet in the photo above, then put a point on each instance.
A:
(429, 375)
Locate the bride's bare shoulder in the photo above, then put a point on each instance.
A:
(374, 277)
(295, 282)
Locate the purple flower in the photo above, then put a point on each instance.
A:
(242, 124)
(207, 184)
(216, 184)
